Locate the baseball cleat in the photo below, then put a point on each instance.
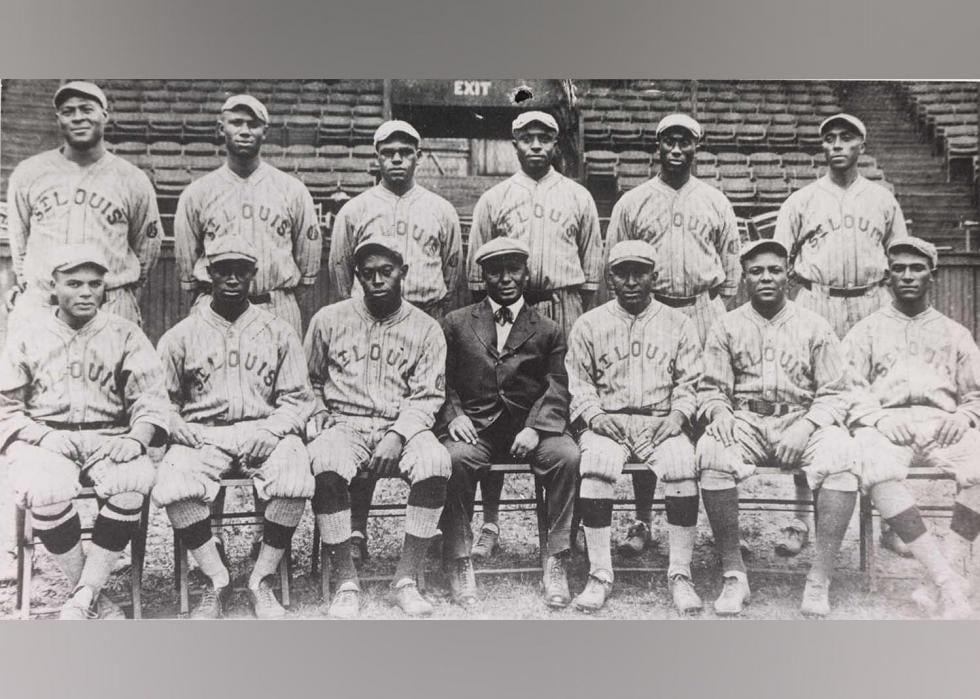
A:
(637, 539)
(264, 602)
(555, 582)
(594, 596)
(816, 598)
(211, 604)
(80, 606)
(954, 600)
(926, 598)
(792, 542)
(346, 603)
(106, 608)
(462, 581)
(889, 540)
(488, 542)
(405, 594)
(359, 548)
(734, 596)
(686, 599)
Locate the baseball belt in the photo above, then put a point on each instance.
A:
(845, 292)
(646, 412)
(79, 426)
(767, 408)
(682, 301)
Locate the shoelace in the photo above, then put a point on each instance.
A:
(265, 595)
(556, 568)
(208, 598)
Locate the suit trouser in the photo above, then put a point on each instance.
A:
(555, 462)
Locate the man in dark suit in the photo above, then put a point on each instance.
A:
(506, 400)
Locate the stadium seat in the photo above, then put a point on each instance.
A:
(125, 105)
(600, 163)
(635, 105)
(128, 126)
(596, 132)
(703, 157)
(750, 135)
(625, 133)
(768, 172)
(194, 162)
(367, 110)
(866, 160)
(355, 182)
(301, 129)
(760, 118)
(826, 110)
(772, 108)
(165, 148)
(165, 126)
(365, 126)
(739, 191)
(198, 148)
(808, 136)
(202, 128)
(808, 119)
(627, 182)
(732, 159)
(872, 173)
(720, 136)
(706, 171)
(333, 150)
(304, 108)
(129, 149)
(781, 136)
(333, 128)
(633, 170)
(797, 108)
(797, 160)
(784, 119)
(729, 118)
(299, 150)
(370, 98)
(959, 149)
(734, 171)
(635, 157)
(772, 191)
(764, 158)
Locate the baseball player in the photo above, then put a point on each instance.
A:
(377, 365)
(236, 376)
(81, 400)
(633, 366)
(506, 399)
(693, 229)
(557, 219)
(427, 226)
(774, 391)
(837, 230)
(923, 372)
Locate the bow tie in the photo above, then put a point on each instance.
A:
(503, 316)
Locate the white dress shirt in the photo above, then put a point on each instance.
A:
(503, 329)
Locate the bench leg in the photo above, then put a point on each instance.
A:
(182, 581)
(138, 548)
(315, 554)
(324, 573)
(867, 542)
(284, 577)
(541, 511)
(23, 581)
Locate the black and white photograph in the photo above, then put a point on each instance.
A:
(489, 349)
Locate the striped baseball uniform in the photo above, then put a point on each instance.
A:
(272, 210)
(235, 378)
(110, 203)
(792, 362)
(847, 232)
(96, 381)
(429, 227)
(695, 234)
(922, 368)
(558, 220)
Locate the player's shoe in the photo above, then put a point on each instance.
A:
(359, 548)
(462, 581)
(347, 602)
(734, 595)
(594, 596)
(106, 608)
(637, 539)
(488, 543)
(8, 567)
(554, 583)
(686, 599)
(816, 598)
(264, 602)
(954, 599)
(405, 594)
(80, 606)
(793, 539)
(889, 540)
(212, 603)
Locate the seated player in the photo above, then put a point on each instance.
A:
(377, 365)
(924, 375)
(237, 378)
(633, 366)
(774, 392)
(81, 399)
(506, 400)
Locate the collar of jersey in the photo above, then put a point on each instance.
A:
(653, 309)
(254, 178)
(388, 194)
(97, 322)
(856, 186)
(216, 319)
(657, 182)
(784, 314)
(529, 182)
(362, 309)
(895, 313)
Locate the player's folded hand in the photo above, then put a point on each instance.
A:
(792, 443)
(608, 426)
(525, 442)
(317, 424)
(663, 428)
(119, 449)
(259, 444)
(722, 428)
(384, 460)
(462, 429)
(59, 442)
(951, 429)
(896, 429)
(187, 434)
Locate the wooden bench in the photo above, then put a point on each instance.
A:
(27, 539)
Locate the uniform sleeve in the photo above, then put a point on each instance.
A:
(18, 221)
(687, 372)
(171, 352)
(717, 385)
(293, 397)
(728, 246)
(550, 411)
(316, 347)
(481, 230)
(145, 226)
(590, 244)
(142, 380)
(452, 407)
(15, 377)
(832, 376)
(896, 219)
(307, 240)
(452, 251)
(580, 366)
(787, 224)
(426, 387)
(188, 242)
(968, 378)
(342, 246)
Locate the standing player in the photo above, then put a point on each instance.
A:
(924, 375)
(837, 230)
(773, 392)
(633, 368)
(557, 219)
(427, 227)
(378, 370)
(693, 229)
(81, 400)
(237, 378)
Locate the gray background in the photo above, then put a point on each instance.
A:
(494, 38)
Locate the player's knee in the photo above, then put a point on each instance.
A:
(463, 455)
(709, 455)
(844, 481)
(330, 494)
(710, 479)
(561, 453)
(127, 501)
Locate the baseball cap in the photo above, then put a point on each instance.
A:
(74, 255)
(248, 102)
(390, 128)
(918, 245)
(80, 87)
(848, 119)
(499, 247)
(230, 247)
(683, 121)
(632, 251)
(526, 118)
(387, 244)
(762, 245)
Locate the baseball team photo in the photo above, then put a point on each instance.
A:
(472, 349)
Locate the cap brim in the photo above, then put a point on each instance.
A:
(368, 248)
(632, 258)
(83, 263)
(497, 255)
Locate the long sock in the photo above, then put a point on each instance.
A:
(597, 523)
(644, 489)
(835, 508)
(413, 557)
(682, 520)
(910, 528)
(721, 507)
(803, 496)
(266, 564)
(209, 560)
(97, 568)
(71, 563)
(331, 507)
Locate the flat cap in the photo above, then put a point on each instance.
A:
(384, 244)
(74, 255)
(80, 87)
(762, 245)
(499, 247)
(917, 245)
(248, 102)
(683, 121)
(632, 251)
(848, 119)
(390, 128)
(230, 247)
(531, 117)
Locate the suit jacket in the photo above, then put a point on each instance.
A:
(526, 380)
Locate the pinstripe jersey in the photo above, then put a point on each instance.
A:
(618, 362)
(249, 369)
(105, 372)
(271, 209)
(793, 358)
(855, 226)
(555, 216)
(928, 360)
(110, 203)
(428, 226)
(393, 368)
(693, 230)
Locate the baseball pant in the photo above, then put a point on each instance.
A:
(282, 304)
(122, 301)
(554, 463)
(842, 313)
(829, 459)
(881, 460)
